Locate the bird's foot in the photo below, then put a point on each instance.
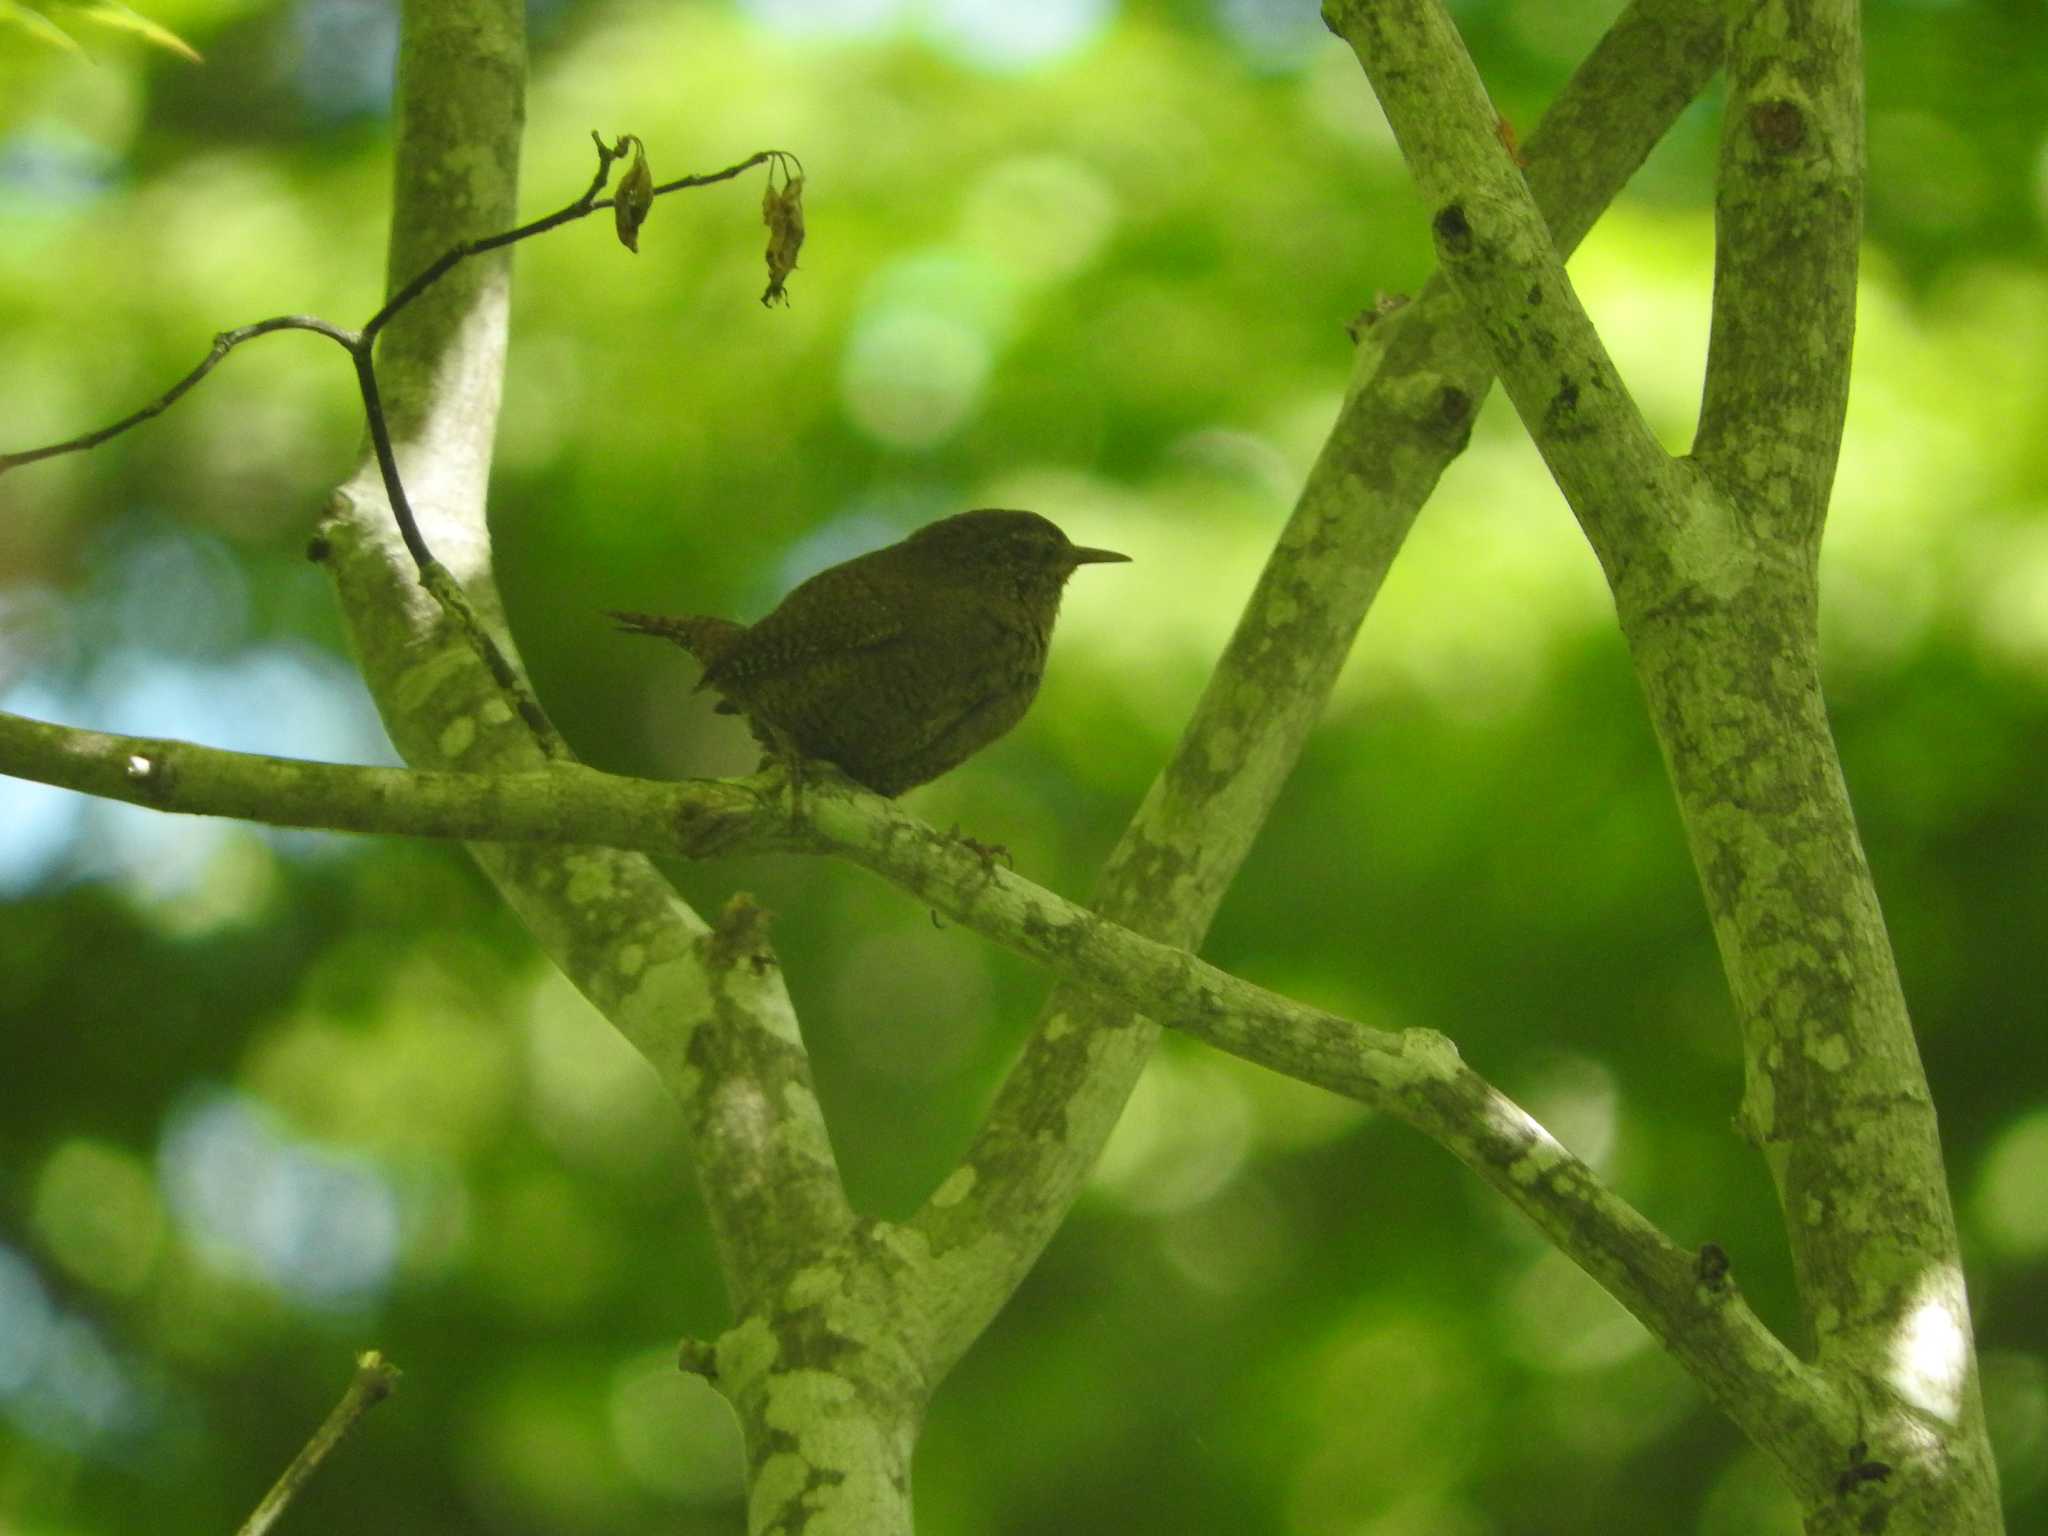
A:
(781, 753)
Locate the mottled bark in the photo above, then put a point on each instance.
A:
(1713, 563)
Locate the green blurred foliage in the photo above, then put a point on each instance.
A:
(269, 1099)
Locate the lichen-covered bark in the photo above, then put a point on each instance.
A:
(1788, 216)
(1418, 382)
(829, 1381)
(1835, 1096)
(829, 1432)
(1713, 565)
(845, 1327)
(609, 919)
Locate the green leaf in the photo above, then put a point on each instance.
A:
(39, 21)
(37, 26)
(119, 18)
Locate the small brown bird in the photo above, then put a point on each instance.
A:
(900, 664)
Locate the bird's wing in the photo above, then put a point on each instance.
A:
(835, 613)
(941, 743)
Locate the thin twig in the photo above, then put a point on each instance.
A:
(361, 341)
(374, 1379)
(583, 207)
(1414, 1075)
(361, 347)
(438, 581)
(223, 344)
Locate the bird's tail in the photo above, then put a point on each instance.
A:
(707, 639)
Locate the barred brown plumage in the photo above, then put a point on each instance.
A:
(900, 664)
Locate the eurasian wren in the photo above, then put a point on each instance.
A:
(900, 664)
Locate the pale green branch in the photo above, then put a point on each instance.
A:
(373, 1381)
(1788, 217)
(1630, 497)
(608, 919)
(1712, 563)
(1417, 384)
(1415, 1075)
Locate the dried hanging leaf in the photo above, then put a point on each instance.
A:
(783, 212)
(635, 197)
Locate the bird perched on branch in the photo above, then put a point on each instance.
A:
(900, 664)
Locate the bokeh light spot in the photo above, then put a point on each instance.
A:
(911, 378)
(1576, 1099)
(1183, 1135)
(1004, 37)
(1557, 1319)
(26, 1319)
(342, 53)
(319, 1226)
(172, 592)
(1042, 217)
(287, 698)
(923, 344)
(1240, 1241)
(594, 1097)
(1274, 35)
(82, 1395)
(2008, 1201)
(49, 167)
(1396, 1415)
(826, 19)
(96, 1210)
(674, 1432)
(42, 823)
(2012, 606)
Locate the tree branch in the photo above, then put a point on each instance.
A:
(583, 207)
(1415, 1075)
(1713, 576)
(1417, 385)
(223, 344)
(1788, 217)
(359, 343)
(372, 1383)
(1498, 253)
(609, 920)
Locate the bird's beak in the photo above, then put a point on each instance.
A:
(1081, 555)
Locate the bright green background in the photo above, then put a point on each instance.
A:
(265, 1100)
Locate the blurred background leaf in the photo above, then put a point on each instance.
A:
(271, 1097)
(56, 21)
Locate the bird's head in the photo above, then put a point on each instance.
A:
(1020, 551)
